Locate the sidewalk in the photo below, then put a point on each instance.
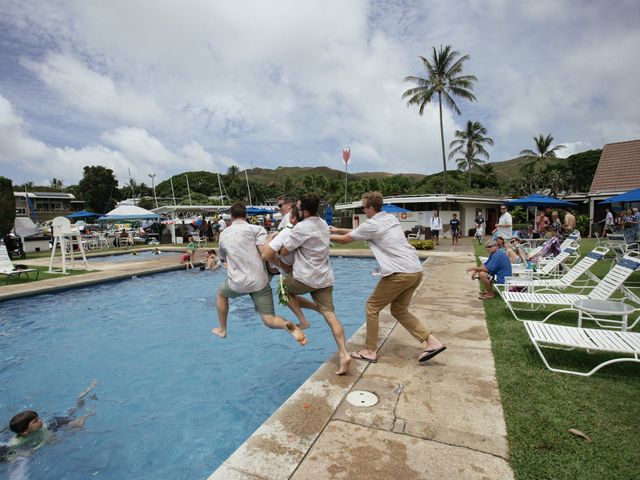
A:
(442, 419)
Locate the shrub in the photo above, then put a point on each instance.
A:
(8, 209)
(423, 244)
(582, 224)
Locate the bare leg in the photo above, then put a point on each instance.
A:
(222, 305)
(338, 334)
(294, 306)
(486, 283)
(275, 321)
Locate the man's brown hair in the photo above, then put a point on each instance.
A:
(374, 200)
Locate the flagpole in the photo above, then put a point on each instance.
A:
(346, 155)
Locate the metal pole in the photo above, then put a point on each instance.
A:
(346, 180)
(173, 193)
(220, 186)
(346, 155)
(248, 188)
(188, 189)
(153, 186)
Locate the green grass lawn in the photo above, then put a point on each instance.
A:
(541, 406)
(43, 275)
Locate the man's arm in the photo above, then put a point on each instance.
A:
(343, 239)
(340, 231)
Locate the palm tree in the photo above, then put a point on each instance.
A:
(543, 150)
(469, 145)
(488, 174)
(444, 79)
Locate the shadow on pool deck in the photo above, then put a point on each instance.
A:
(440, 419)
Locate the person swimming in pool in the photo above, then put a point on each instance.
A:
(31, 432)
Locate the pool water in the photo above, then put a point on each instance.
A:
(128, 257)
(173, 401)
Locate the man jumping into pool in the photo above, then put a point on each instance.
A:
(241, 247)
(401, 274)
(312, 272)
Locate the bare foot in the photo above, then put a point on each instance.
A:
(344, 365)
(221, 333)
(303, 325)
(297, 334)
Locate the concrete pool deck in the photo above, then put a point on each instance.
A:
(441, 419)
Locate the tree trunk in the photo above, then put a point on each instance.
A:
(444, 161)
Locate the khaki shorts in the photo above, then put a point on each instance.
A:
(262, 299)
(322, 296)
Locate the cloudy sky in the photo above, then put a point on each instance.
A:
(164, 86)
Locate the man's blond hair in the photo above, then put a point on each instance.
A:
(374, 200)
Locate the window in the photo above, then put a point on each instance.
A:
(21, 212)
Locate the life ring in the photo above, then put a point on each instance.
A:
(403, 215)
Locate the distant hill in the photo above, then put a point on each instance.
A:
(511, 168)
(267, 175)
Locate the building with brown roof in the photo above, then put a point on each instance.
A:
(619, 168)
(618, 172)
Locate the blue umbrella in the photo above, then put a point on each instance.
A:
(328, 215)
(537, 200)
(83, 214)
(627, 197)
(391, 208)
(259, 211)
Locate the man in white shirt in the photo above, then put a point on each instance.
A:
(312, 272)
(285, 204)
(222, 223)
(285, 265)
(241, 247)
(401, 272)
(504, 225)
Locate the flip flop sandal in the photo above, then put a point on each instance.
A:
(359, 356)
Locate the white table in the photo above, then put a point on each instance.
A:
(609, 308)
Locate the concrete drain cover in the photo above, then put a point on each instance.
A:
(361, 398)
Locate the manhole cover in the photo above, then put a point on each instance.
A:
(360, 398)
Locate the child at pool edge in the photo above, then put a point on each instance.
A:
(189, 254)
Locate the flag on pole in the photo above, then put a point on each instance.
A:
(346, 155)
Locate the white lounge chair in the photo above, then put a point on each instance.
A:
(570, 278)
(549, 268)
(603, 291)
(198, 239)
(619, 246)
(9, 270)
(544, 335)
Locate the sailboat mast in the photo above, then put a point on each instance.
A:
(248, 187)
(188, 189)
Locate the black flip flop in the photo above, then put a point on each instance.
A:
(359, 356)
(431, 353)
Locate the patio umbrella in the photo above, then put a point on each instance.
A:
(537, 200)
(259, 211)
(391, 208)
(83, 214)
(328, 215)
(627, 197)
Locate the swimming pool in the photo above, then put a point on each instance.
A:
(128, 257)
(172, 401)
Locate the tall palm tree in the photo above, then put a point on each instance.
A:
(444, 79)
(469, 145)
(543, 150)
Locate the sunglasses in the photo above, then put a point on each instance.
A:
(280, 205)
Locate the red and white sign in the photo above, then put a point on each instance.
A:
(346, 155)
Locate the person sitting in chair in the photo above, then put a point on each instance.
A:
(494, 270)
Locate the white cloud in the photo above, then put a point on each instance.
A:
(127, 150)
(209, 84)
(92, 92)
